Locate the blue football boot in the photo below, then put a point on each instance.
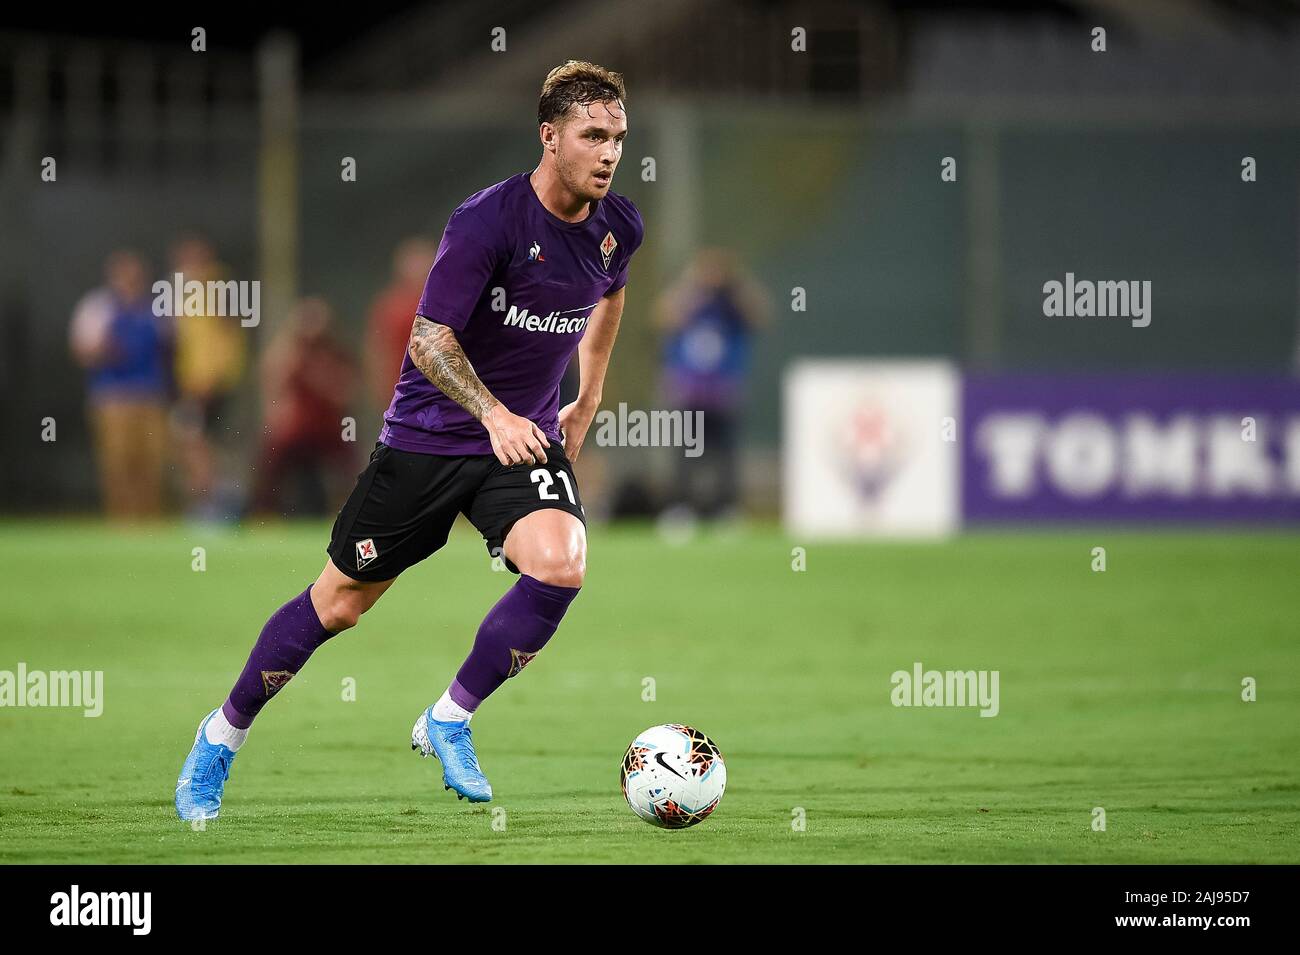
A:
(452, 744)
(203, 777)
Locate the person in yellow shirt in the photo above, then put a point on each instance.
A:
(211, 354)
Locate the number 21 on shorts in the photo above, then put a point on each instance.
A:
(543, 479)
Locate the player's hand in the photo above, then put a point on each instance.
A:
(575, 419)
(515, 440)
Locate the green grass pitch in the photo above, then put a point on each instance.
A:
(1119, 690)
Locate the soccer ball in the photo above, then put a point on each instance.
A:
(673, 776)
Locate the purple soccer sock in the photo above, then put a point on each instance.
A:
(291, 636)
(512, 633)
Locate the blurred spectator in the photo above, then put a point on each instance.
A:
(211, 353)
(388, 325)
(307, 378)
(708, 317)
(124, 347)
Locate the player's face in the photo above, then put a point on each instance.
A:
(588, 147)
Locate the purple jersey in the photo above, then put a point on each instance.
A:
(518, 284)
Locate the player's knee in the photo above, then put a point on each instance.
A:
(341, 610)
(559, 567)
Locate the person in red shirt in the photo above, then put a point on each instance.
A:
(388, 326)
(308, 380)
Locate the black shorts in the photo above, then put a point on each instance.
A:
(405, 503)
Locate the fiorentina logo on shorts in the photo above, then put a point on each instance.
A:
(607, 246)
(518, 660)
(274, 680)
(366, 552)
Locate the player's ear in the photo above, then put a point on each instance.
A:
(547, 133)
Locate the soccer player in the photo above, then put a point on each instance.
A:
(528, 271)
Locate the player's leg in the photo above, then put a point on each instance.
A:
(550, 546)
(398, 514)
(334, 603)
(532, 515)
(549, 549)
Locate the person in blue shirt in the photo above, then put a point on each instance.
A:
(124, 349)
(708, 319)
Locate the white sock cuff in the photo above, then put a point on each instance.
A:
(447, 710)
(220, 730)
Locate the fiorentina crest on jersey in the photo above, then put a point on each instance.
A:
(366, 552)
(607, 247)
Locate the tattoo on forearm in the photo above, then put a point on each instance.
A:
(435, 351)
